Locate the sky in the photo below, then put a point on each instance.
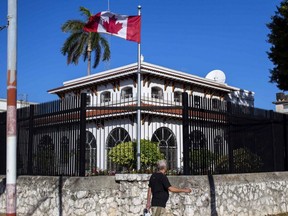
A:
(187, 35)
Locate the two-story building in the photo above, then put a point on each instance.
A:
(159, 86)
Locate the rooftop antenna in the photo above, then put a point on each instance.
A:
(23, 98)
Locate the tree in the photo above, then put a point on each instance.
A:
(81, 43)
(278, 53)
(124, 154)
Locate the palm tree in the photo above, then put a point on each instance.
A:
(83, 43)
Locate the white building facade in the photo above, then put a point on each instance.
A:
(159, 86)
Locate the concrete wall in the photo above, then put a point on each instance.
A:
(244, 194)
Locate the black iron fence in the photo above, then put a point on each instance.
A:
(79, 135)
(87, 136)
(226, 138)
(48, 138)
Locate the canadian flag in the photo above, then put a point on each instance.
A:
(127, 27)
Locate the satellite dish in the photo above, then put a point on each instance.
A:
(217, 76)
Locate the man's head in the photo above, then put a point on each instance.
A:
(162, 165)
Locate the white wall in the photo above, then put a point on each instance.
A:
(20, 104)
(241, 97)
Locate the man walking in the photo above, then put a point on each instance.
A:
(159, 187)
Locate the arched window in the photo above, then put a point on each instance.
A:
(198, 140)
(90, 153)
(45, 155)
(116, 136)
(105, 97)
(177, 96)
(168, 146)
(218, 143)
(127, 92)
(157, 92)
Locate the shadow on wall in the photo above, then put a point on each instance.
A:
(2, 186)
(60, 194)
(212, 195)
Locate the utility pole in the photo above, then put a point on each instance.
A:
(11, 127)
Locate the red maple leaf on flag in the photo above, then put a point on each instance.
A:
(111, 26)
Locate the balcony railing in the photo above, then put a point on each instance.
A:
(157, 96)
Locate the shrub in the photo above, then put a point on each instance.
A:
(124, 154)
(244, 161)
(202, 159)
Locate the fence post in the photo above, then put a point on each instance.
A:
(82, 134)
(285, 142)
(230, 143)
(186, 140)
(30, 140)
(271, 116)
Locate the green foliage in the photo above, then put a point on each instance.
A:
(244, 161)
(124, 154)
(202, 159)
(45, 155)
(150, 153)
(81, 43)
(278, 53)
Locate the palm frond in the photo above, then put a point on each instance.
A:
(97, 53)
(73, 47)
(85, 54)
(96, 48)
(70, 54)
(70, 41)
(99, 44)
(77, 43)
(72, 26)
(86, 12)
(105, 45)
(79, 49)
(94, 39)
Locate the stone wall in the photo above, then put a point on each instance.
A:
(244, 194)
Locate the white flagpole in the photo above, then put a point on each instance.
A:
(139, 102)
